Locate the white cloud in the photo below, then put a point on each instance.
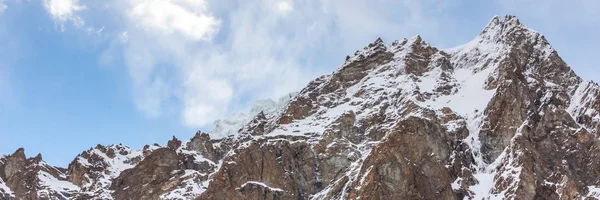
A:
(159, 54)
(64, 10)
(269, 48)
(183, 16)
(206, 78)
(200, 60)
(204, 98)
(3, 6)
(264, 54)
(284, 6)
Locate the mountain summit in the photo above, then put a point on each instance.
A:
(501, 117)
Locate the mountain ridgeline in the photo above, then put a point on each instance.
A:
(501, 117)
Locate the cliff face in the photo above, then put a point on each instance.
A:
(501, 117)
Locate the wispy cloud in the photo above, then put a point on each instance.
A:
(284, 6)
(201, 59)
(65, 10)
(187, 17)
(3, 6)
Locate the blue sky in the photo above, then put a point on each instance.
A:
(76, 73)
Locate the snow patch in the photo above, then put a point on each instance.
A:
(190, 188)
(262, 185)
(581, 100)
(4, 189)
(52, 186)
(593, 192)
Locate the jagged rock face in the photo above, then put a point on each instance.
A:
(256, 126)
(14, 164)
(94, 170)
(31, 178)
(289, 166)
(397, 170)
(174, 144)
(355, 69)
(501, 117)
(523, 77)
(175, 172)
(201, 143)
(17, 178)
(148, 179)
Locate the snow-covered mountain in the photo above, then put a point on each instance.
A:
(231, 125)
(501, 117)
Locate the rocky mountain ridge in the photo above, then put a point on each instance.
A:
(501, 117)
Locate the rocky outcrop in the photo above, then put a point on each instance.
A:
(21, 181)
(409, 164)
(14, 164)
(201, 143)
(501, 117)
(288, 166)
(95, 169)
(148, 179)
(29, 178)
(174, 144)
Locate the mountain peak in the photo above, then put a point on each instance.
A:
(507, 20)
(417, 41)
(497, 18)
(38, 157)
(378, 41)
(19, 153)
(378, 44)
(499, 29)
(417, 38)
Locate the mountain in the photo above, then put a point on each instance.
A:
(501, 117)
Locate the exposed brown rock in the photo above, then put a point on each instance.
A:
(174, 143)
(15, 163)
(256, 126)
(201, 142)
(409, 164)
(287, 166)
(148, 180)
